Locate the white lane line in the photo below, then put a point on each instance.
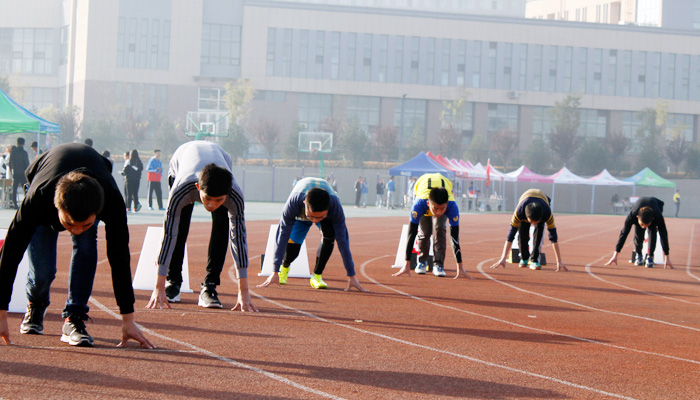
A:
(553, 333)
(479, 267)
(208, 353)
(690, 254)
(420, 346)
(591, 273)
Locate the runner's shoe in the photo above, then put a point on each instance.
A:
(522, 263)
(534, 265)
(208, 297)
(75, 334)
(421, 268)
(317, 282)
(172, 292)
(650, 262)
(33, 323)
(438, 270)
(283, 274)
(638, 261)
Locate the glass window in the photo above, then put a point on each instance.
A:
(594, 123)
(365, 110)
(212, 99)
(335, 55)
(476, 64)
(352, 55)
(415, 59)
(271, 33)
(502, 116)
(682, 122)
(612, 73)
(221, 44)
(314, 109)
(445, 62)
(398, 60)
(542, 121)
(367, 57)
(303, 53)
(414, 116)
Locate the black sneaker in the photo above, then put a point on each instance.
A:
(172, 292)
(208, 297)
(33, 323)
(75, 334)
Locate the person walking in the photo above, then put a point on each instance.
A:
(677, 201)
(132, 176)
(391, 193)
(380, 193)
(19, 161)
(154, 171)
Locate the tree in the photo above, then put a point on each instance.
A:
(692, 162)
(336, 126)
(617, 145)
(268, 134)
(291, 145)
(564, 140)
(68, 119)
(649, 134)
(386, 141)
(355, 143)
(134, 128)
(450, 142)
(236, 143)
(169, 135)
(416, 143)
(478, 150)
(537, 158)
(504, 143)
(592, 158)
(676, 150)
(5, 84)
(238, 97)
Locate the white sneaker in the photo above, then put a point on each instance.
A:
(421, 268)
(438, 270)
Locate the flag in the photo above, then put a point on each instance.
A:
(488, 173)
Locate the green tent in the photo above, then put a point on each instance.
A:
(647, 177)
(16, 119)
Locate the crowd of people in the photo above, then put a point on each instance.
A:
(71, 188)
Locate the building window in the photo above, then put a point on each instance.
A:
(685, 77)
(221, 44)
(597, 70)
(430, 62)
(683, 124)
(303, 53)
(642, 77)
(631, 122)
(139, 48)
(626, 73)
(335, 55)
(463, 123)
(491, 65)
(552, 75)
(612, 73)
(365, 110)
(476, 64)
(367, 57)
(537, 67)
(271, 39)
(271, 95)
(212, 99)
(415, 57)
(445, 62)
(461, 62)
(542, 121)
(31, 51)
(65, 43)
(314, 109)
(398, 60)
(414, 117)
(287, 36)
(670, 76)
(594, 124)
(655, 75)
(501, 117)
(352, 55)
(37, 98)
(522, 78)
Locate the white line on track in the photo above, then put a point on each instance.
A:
(220, 358)
(690, 254)
(420, 346)
(553, 333)
(480, 268)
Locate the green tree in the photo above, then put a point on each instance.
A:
(537, 158)
(69, 119)
(617, 145)
(504, 143)
(591, 158)
(564, 139)
(238, 97)
(649, 135)
(478, 150)
(355, 144)
(267, 134)
(236, 143)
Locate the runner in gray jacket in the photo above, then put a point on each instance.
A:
(201, 172)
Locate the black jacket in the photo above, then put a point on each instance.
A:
(19, 161)
(38, 209)
(657, 224)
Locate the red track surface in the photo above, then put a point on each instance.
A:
(595, 332)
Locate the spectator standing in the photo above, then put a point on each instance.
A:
(154, 172)
(365, 190)
(19, 161)
(132, 177)
(358, 191)
(380, 193)
(677, 200)
(391, 193)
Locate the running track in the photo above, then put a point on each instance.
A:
(593, 333)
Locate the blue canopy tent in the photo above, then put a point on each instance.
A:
(419, 165)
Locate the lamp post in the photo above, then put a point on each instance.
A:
(403, 101)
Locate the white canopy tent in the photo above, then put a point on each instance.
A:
(605, 179)
(566, 177)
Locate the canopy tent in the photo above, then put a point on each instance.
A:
(523, 174)
(16, 119)
(419, 165)
(444, 163)
(605, 179)
(647, 177)
(566, 177)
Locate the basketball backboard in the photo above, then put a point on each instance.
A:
(206, 123)
(321, 142)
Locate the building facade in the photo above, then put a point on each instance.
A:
(381, 66)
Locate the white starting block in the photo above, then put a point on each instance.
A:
(514, 256)
(18, 301)
(658, 250)
(299, 267)
(400, 261)
(147, 268)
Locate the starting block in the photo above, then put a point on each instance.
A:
(147, 268)
(299, 267)
(658, 250)
(18, 301)
(401, 251)
(514, 256)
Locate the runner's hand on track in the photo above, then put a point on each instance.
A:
(131, 331)
(271, 279)
(4, 328)
(354, 283)
(158, 299)
(613, 259)
(562, 268)
(406, 269)
(244, 303)
(500, 263)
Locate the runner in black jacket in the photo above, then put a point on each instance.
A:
(70, 188)
(646, 213)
